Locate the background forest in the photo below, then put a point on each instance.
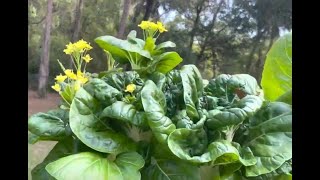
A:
(218, 36)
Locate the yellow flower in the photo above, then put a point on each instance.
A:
(144, 25)
(79, 46)
(82, 79)
(161, 27)
(82, 45)
(56, 87)
(77, 85)
(153, 26)
(70, 48)
(87, 58)
(70, 74)
(130, 88)
(79, 73)
(60, 78)
(148, 25)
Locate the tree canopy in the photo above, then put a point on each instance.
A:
(218, 36)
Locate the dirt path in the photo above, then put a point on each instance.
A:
(37, 152)
(41, 105)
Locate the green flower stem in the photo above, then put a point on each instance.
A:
(84, 69)
(144, 35)
(62, 67)
(65, 100)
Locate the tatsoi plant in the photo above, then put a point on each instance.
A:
(144, 55)
(157, 122)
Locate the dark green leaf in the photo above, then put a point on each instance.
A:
(230, 86)
(217, 87)
(223, 152)
(189, 145)
(244, 83)
(125, 112)
(32, 138)
(228, 170)
(159, 79)
(103, 92)
(121, 79)
(50, 125)
(243, 109)
(165, 169)
(90, 129)
(209, 173)
(192, 89)
(154, 104)
(269, 137)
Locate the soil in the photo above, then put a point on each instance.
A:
(37, 152)
(41, 105)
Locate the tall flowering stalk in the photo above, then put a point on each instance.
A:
(69, 83)
(151, 29)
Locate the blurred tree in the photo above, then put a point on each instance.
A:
(76, 28)
(124, 17)
(44, 61)
(269, 16)
(77, 20)
(219, 36)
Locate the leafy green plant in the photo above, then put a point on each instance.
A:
(277, 73)
(143, 54)
(171, 124)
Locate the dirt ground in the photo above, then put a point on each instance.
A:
(37, 152)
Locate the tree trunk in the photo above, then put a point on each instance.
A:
(258, 70)
(147, 13)
(262, 57)
(195, 24)
(210, 28)
(137, 10)
(124, 17)
(44, 61)
(76, 24)
(77, 21)
(253, 50)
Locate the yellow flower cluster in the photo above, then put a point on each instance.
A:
(79, 46)
(130, 88)
(148, 25)
(87, 58)
(68, 84)
(79, 79)
(77, 51)
(56, 87)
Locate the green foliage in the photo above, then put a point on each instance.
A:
(277, 72)
(88, 165)
(49, 126)
(166, 169)
(165, 123)
(144, 56)
(269, 136)
(154, 104)
(86, 124)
